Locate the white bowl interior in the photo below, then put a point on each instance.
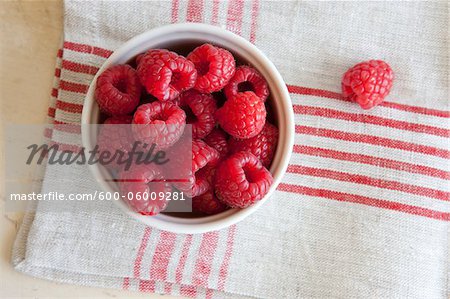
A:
(170, 37)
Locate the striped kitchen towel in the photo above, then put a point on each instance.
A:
(363, 210)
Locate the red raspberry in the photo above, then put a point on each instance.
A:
(203, 158)
(242, 116)
(218, 140)
(202, 155)
(166, 74)
(160, 123)
(208, 203)
(200, 109)
(137, 185)
(215, 67)
(263, 145)
(241, 180)
(368, 83)
(115, 135)
(247, 79)
(202, 180)
(118, 90)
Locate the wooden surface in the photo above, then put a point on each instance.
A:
(30, 35)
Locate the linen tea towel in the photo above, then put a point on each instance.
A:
(363, 210)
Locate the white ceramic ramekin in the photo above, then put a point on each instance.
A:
(171, 36)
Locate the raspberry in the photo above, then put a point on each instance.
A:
(215, 67)
(263, 145)
(202, 155)
(247, 79)
(203, 158)
(241, 180)
(137, 185)
(200, 109)
(218, 140)
(208, 203)
(203, 181)
(165, 74)
(160, 123)
(115, 135)
(118, 90)
(242, 116)
(368, 83)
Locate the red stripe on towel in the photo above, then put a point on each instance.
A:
(335, 95)
(69, 107)
(194, 11)
(161, 256)
(234, 16)
(83, 48)
(188, 291)
(376, 161)
(51, 112)
(73, 87)
(54, 92)
(147, 286)
(223, 271)
(48, 133)
(371, 119)
(65, 147)
(369, 181)
(374, 140)
(57, 72)
(66, 127)
(126, 283)
(184, 254)
(205, 258)
(175, 7)
(79, 67)
(215, 12)
(254, 22)
(346, 197)
(140, 253)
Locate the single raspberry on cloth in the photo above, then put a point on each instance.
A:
(368, 83)
(263, 145)
(242, 116)
(160, 123)
(241, 180)
(165, 74)
(136, 186)
(215, 67)
(208, 203)
(115, 135)
(218, 139)
(204, 158)
(118, 90)
(200, 109)
(247, 78)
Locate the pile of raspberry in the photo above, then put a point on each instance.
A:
(233, 143)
